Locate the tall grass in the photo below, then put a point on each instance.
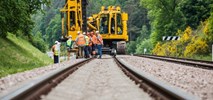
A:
(17, 55)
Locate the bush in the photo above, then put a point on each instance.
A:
(38, 42)
(131, 47)
(191, 43)
(146, 44)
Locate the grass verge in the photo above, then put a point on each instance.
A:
(18, 55)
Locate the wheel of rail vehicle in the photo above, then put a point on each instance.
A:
(113, 52)
(121, 47)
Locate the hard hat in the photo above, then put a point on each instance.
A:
(70, 36)
(78, 32)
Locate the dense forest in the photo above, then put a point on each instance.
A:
(149, 20)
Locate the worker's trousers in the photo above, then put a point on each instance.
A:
(56, 59)
(86, 51)
(99, 46)
(80, 51)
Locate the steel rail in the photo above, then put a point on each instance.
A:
(42, 85)
(156, 88)
(197, 63)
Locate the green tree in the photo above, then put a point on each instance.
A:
(53, 31)
(165, 17)
(145, 33)
(94, 6)
(146, 44)
(49, 22)
(209, 29)
(16, 16)
(195, 11)
(137, 18)
(131, 47)
(38, 42)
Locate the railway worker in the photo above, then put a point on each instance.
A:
(90, 43)
(86, 48)
(80, 42)
(119, 29)
(69, 44)
(99, 44)
(55, 52)
(104, 26)
(94, 44)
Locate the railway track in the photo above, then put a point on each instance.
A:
(157, 88)
(193, 62)
(154, 87)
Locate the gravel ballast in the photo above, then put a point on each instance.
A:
(15, 81)
(196, 81)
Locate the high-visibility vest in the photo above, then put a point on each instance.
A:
(87, 40)
(55, 50)
(119, 30)
(99, 39)
(69, 43)
(94, 39)
(81, 41)
(105, 23)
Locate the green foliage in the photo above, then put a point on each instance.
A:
(208, 30)
(169, 17)
(191, 43)
(131, 47)
(137, 18)
(16, 16)
(94, 6)
(154, 37)
(141, 42)
(146, 44)
(19, 55)
(195, 11)
(53, 31)
(49, 24)
(38, 42)
(144, 34)
(165, 17)
(35, 39)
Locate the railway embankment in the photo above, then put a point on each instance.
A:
(18, 55)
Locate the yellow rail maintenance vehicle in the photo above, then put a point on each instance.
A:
(111, 22)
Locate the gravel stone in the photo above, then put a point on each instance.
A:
(194, 80)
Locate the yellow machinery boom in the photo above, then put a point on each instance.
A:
(74, 19)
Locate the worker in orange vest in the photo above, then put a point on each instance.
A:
(94, 44)
(90, 43)
(80, 41)
(99, 44)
